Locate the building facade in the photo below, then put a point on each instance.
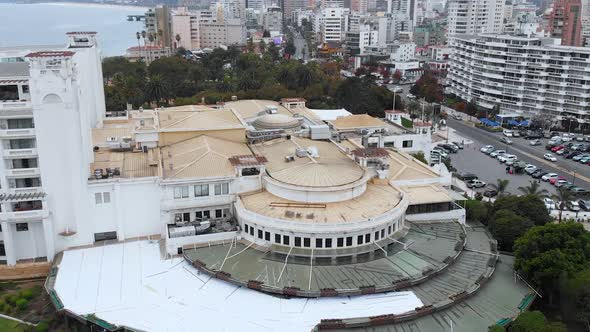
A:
(475, 16)
(565, 22)
(523, 75)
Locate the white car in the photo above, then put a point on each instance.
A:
(549, 157)
(530, 168)
(505, 157)
(573, 206)
(549, 203)
(487, 148)
(497, 153)
(549, 176)
(475, 183)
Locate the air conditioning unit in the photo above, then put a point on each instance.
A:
(112, 139)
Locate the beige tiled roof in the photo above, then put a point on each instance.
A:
(357, 121)
(118, 130)
(331, 168)
(404, 167)
(202, 156)
(131, 164)
(376, 200)
(186, 120)
(427, 194)
(251, 108)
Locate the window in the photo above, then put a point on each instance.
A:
(201, 190)
(306, 242)
(349, 241)
(218, 213)
(359, 240)
(407, 144)
(221, 188)
(22, 227)
(278, 238)
(383, 233)
(267, 236)
(98, 198)
(181, 192)
(389, 229)
(106, 197)
(328, 243)
(340, 242)
(286, 240)
(376, 235)
(251, 230)
(102, 198)
(368, 238)
(319, 243)
(2, 250)
(246, 227)
(260, 234)
(297, 241)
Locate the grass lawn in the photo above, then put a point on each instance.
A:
(10, 325)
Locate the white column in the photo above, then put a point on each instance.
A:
(116, 197)
(9, 243)
(48, 235)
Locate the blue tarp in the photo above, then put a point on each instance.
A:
(513, 122)
(488, 122)
(524, 123)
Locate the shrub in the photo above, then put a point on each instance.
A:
(22, 304)
(43, 326)
(6, 308)
(27, 294)
(11, 299)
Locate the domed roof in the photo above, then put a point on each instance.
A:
(276, 121)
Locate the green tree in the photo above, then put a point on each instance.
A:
(262, 46)
(496, 328)
(114, 100)
(420, 156)
(427, 87)
(562, 196)
(500, 186)
(250, 45)
(529, 206)
(476, 211)
(273, 51)
(534, 188)
(156, 89)
(535, 321)
(507, 226)
(577, 299)
(545, 253)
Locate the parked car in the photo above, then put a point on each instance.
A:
(573, 206)
(580, 156)
(549, 203)
(506, 140)
(507, 132)
(562, 152)
(505, 157)
(538, 174)
(460, 145)
(584, 204)
(557, 148)
(442, 154)
(535, 142)
(490, 193)
(497, 153)
(549, 176)
(561, 183)
(466, 176)
(578, 191)
(530, 169)
(450, 147)
(568, 186)
(549, 157)
(572, 154)
(475, 183)
(555, 179)
(487, 149)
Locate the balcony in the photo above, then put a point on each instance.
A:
(17, 133)
(20, 153)
(20, 216)
(23, 172)
(15, 105)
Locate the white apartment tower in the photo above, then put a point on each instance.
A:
(475, 16)
(333, 24)
(46, 132)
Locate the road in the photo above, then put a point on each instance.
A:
(525, 152)
(300, 46)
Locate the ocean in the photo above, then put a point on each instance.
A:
(47, 23)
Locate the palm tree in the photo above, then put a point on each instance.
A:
(262, 46)
(501, 186)
(143, 33)
(156, 89)
(562, 196)
(533, 189)
(138, 36)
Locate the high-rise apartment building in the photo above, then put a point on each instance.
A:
(522, 75)
(565, 22)
(475, 16)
